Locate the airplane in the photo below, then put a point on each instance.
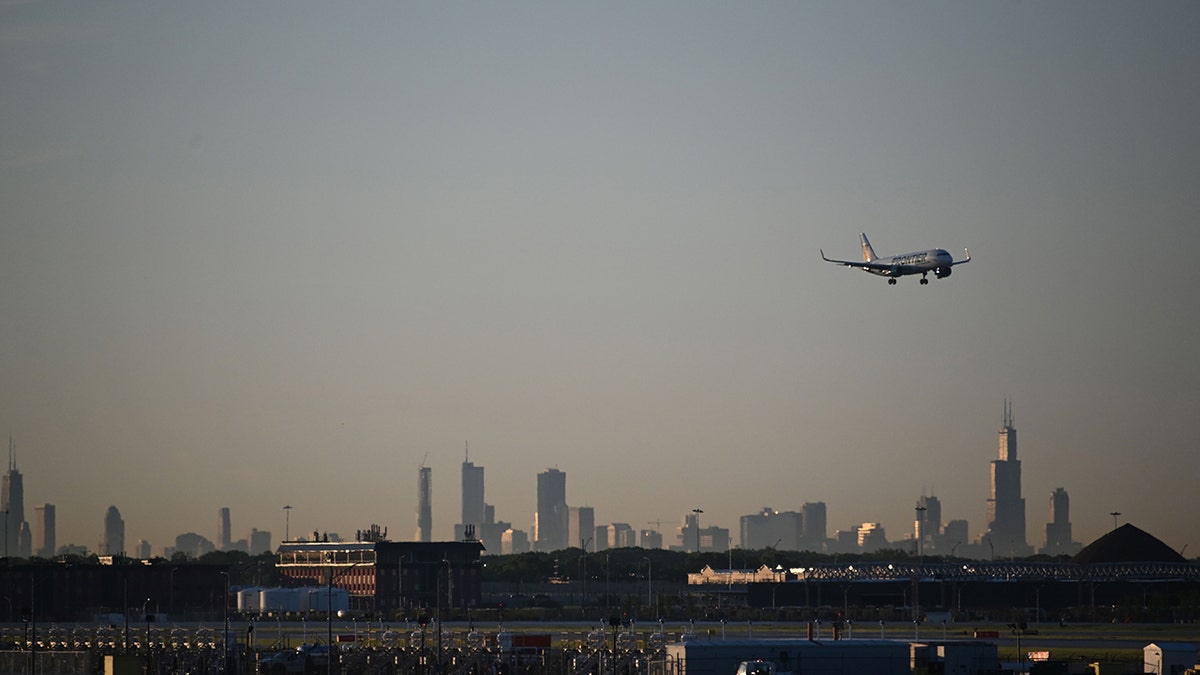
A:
(935, 260)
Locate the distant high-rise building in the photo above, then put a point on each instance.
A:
(473, 505)
(954, 535)
(927, 526)
(1058, 530)
(514, 541)
(692, 537)
(193, 545)
(772, 529)
(223, 534)
(1006, 507)
(933, 514)
(600, 538)
(260, 542)
(425, 504)
(491, 532)
(689, 531)
(650, 539)
(551, 518)
(844, 541)
(871, 537)
(44, 543)
(142, 550)
(581, 527)
(12, 500)
(25, 541)
(114, 533)
(621, 535)
(815, 526)
(713, 538)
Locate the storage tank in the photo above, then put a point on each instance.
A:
(247, 599)
(322, 599)
(279, 600)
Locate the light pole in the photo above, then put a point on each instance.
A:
(698, 512)
(1114, 514)
(171, 592)
(225, 606)
(146, 618)
(649, 582)
(920, 530)
(583, 585)
(400, 583)
(287, 522)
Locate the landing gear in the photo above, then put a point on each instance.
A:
(923, 279)
(891, 282)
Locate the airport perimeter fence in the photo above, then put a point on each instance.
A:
(178, 652)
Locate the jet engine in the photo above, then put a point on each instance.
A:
(942, 272)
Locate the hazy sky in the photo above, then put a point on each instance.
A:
(269, 253)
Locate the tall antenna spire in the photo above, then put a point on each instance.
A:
(467, 456)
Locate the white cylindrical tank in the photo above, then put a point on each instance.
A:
(247, 599)
(322, 599)
(279, 600)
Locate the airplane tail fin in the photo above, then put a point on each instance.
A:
(868, 252)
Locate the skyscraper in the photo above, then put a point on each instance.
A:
(1006, 507)
(425, 503)
(1058, 530)
(114, 533)
(928, 524)
(815, 526)
(550, 521)
(44, 543)
(473, 505)
(223, 536)
(581, 527)
(780, 530)
(260, 542)
(12, 501)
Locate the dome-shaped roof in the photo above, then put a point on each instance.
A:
(1127, 544)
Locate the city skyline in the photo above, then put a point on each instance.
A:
(264, 255)
(802, 530)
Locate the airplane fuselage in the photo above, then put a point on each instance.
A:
(933, 260)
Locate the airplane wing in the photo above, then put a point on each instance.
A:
(966, 259)
(894, 270)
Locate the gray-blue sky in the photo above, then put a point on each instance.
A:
(274, 253)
